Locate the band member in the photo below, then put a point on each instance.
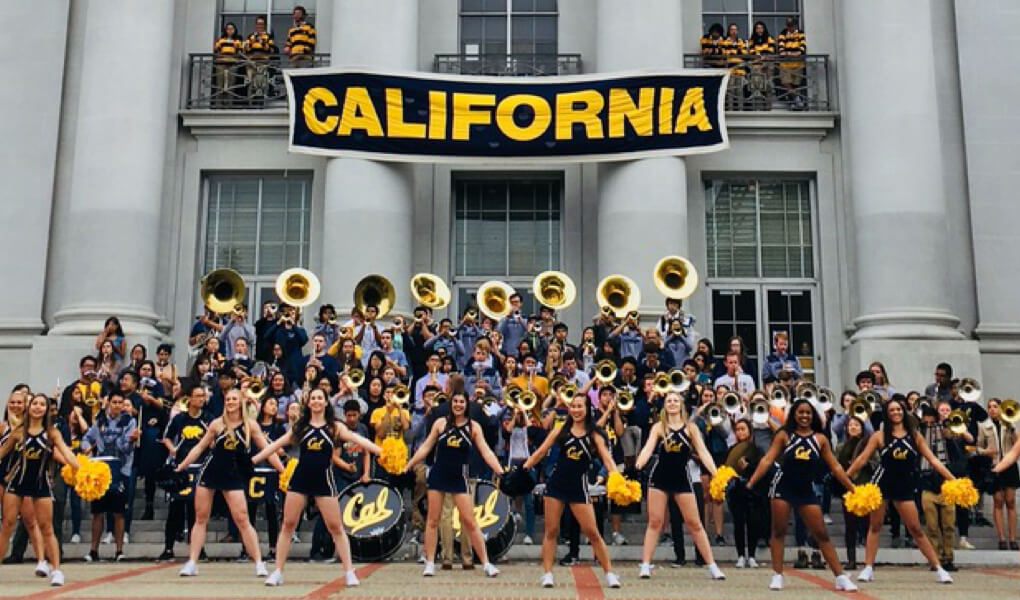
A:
(182, 433)
(899, 444)
(673, 441)
(579, 443)
(1008, 459)
(230, 436)
(995, 436)
(318, 435)
(803, 451)
(456, 435)
(33, 444)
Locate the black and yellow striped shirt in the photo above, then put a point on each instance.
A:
(227, 49)
(301, 39)
(734, 51)
(762, 47)
(791, 43)
(259, 45)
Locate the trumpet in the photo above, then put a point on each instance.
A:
(957, 422)
(625, 401)
(1009, 411)
(970, 390)
(605, 371)
(731, 402)
(779, 397)
(759, 411)
(401, 396)
(714, 414)
(354, 378)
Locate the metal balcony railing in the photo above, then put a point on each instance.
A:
(760, 83)
(509, 65)
(244, 83)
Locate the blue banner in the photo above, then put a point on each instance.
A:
(422, 117)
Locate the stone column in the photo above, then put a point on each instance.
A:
(642, 213)
(892, 147)
(369, 208)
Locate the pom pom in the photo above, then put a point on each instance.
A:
(959, 491)
(516, 482)
(717, 487)
(67, 473)
(622, 491)
(288, 472)
(863, 499)
(92, 480)
(393, 457)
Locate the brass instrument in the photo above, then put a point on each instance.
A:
(346, 332)
(556, 383)
(439, 399)
(779, 397)
(872, 398)
(297, 287)
(605, 371)
(957, 422)
(377, 291)
(675, 277)
(923, 402)
(471, 314)
(430, 290)
(527, 401)
(554, 289)
(662, 383)
(860, 408)
(826, 399)
(759, 411)
(401, 396)
(332, 321)
(714, 414)
(239, 310)
(512, 395)
(221, 290)
(1009, 411)
(970, 389)
(807, 390)
(607, 311)
(619, 293)
(678, 380)
(731, 402)
(624, 401)
(494, 299)
(354, 378)
(567, 391)
(256, 389)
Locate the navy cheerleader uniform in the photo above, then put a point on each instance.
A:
(569, 478)
(449, 471)
(8, 461)
(797, 468)
(30, 477)
(314, 475)
(221, 471)
(897, 475)
(669, 473)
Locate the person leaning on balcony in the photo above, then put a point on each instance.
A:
(712, 46)
(791, 43)
(300, 44)
(761, 47)
(227, 48)
(735, 51)
(258, 49)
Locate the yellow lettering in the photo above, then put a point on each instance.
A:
(370, 514)
(899, 453)
(256, 487)
(453, 441)
(574, 453)
(802, 453)
(622, 108)
(437, 115)
(315, 444)
(485, 513)
(464, 116)
(315, 96)
(395, 124)
(666, 111)
(692, 112)
(359, 113)
(538, 125)
(588, 115)
(33, 453)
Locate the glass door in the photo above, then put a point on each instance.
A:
(736, 311)
(793, 311)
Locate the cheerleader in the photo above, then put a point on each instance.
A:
(453, 436)
(230, 437)
(899, 444)
(672, 442)
(318, 435)
(13, 416)
(802, 451)
(995, 436)
(33, 444)
(1008, 461)
(579, 443)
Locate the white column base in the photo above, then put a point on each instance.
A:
(923, 324)
(84, 319)
(911, 363)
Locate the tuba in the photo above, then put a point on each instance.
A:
(222, 290)
(619, 293)
(605, 371)
(494, 299)
(375, 290)
(675, 277)
(297, 287)
(430, 290)
(1009, 411)
(957, 422)
(554, 289)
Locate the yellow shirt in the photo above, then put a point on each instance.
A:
(379, 414)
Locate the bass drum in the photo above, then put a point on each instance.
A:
(373, 517)
(493, 516)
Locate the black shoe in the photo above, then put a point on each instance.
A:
(12, 560)
(816, 560)
(203, 557)
(851, 565)
(981, 521)
(802, 560)
(118, 557)
(698, 561)
(242, 557)
(720, 540)
(1003, 545)
(92, 556)
(909, 543)
(568, 561)
(271, 557)
(168, 554)
(949, 566)
(1014, 546)
(677, 563)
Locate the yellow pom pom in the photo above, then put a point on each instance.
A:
(288, 472)
(622, 491)
(67, 473)
(92, 480)
(959, 491)
(863, 500)
(393, 457)
(717, 486)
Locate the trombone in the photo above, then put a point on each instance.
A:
(605, 371)
(430, 290)
(675, 277)
(554, 289)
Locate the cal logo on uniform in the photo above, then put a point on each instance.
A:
(314, 444)
(672, 446)
(574, 453)
(192, 432)
(453, 441)
(899, 454)
(417, 117)
(802, 453)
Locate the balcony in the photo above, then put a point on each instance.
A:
(246, 84)
(769, 83)
(508, 65)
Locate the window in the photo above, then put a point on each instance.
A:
(257, 225)
(243, 12)
(759, 228)
(507, 27)
(505, 228)
(745, 12)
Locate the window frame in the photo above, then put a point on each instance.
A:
(752, 16)
(270, 11)
(508, 13)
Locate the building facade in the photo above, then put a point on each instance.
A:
(873, 222)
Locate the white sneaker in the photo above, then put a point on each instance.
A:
(777, 582)
(741, 563)
(275, 579)
(351, 579)
(295, 538)
(190, 569)
(76, 539)
(644, 570)
(964, 544)
(42, 568)
(612, 580)
(618, 539)
(866, 574)
(429, 570)
(827, 519)
(527, 541)
(941, 576)
(127, 538)
(56, 578)
(547, 580)
(260, 569)
(843, 584)
(714, 572)
(108, 538)
(751, 563)
(490, 569)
